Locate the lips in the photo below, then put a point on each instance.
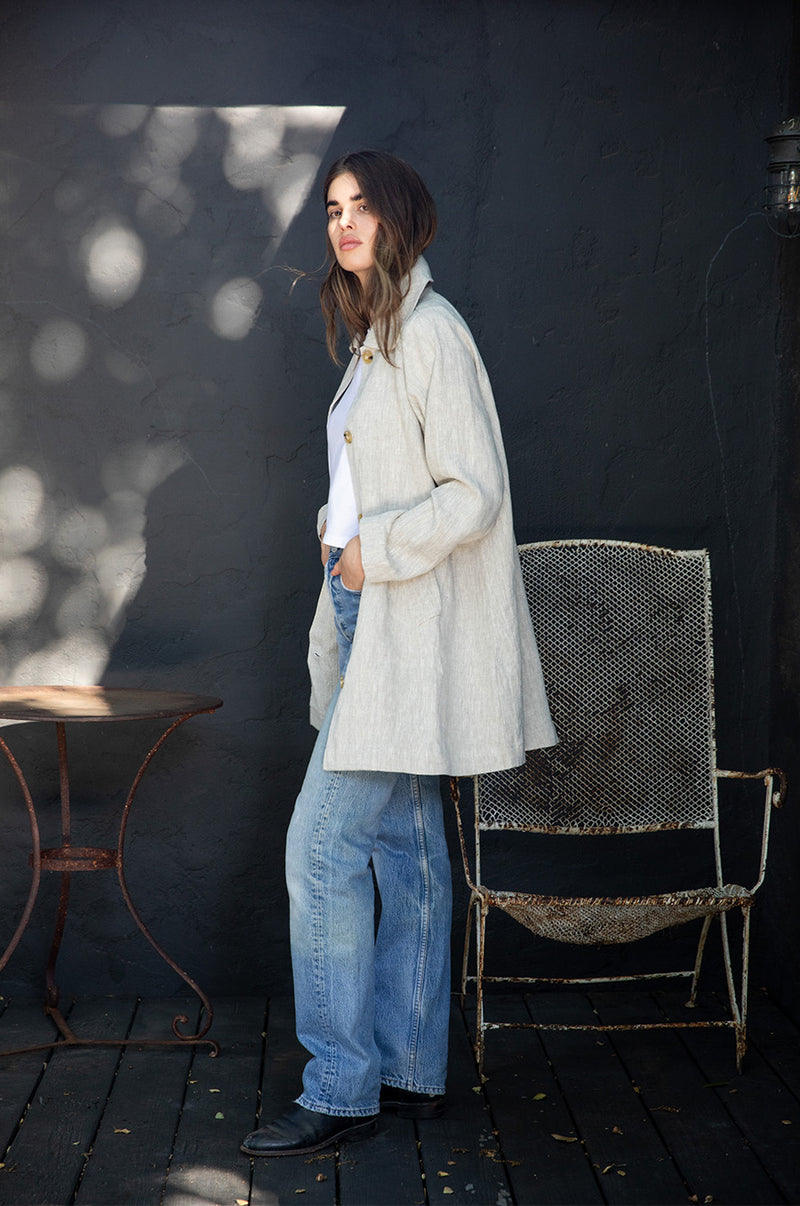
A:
(347, 244)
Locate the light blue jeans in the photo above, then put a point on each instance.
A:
(370, 1009)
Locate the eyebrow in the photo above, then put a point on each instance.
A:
(355, 197)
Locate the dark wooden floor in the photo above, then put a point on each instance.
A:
(657, 1117)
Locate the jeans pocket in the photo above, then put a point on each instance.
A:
(345, 606)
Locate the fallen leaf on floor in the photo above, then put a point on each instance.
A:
(299, 1191)
(564, 1138)
(694, 1198)
(442, 1174)
(121, 1130)
(215, 1090)
(539, 1096)
(476, 1088)
(786, 1121)
(708, 1198)
(219, 1115)
(447, 1189)
(319, 1177)
(615, 1130)
(241, 1202)
(621, 1172)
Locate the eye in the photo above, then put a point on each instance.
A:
(334, 213)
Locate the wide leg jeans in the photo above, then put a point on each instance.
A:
(370, 1008)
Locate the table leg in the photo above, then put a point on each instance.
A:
(36, 859)
(51, 987)
(179, 1019)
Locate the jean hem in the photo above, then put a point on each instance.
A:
(338, 1111)
(431, 1090)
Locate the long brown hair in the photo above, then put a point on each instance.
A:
(406, 225)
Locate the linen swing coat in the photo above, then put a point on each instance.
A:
(444, 675)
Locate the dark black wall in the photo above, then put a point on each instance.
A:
(598, 168)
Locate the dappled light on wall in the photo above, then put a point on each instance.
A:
(59, 350)
(234, 308)
(130, 323)
(114, 260)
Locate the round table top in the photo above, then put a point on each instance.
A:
(99, 703)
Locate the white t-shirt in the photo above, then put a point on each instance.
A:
(342, 521)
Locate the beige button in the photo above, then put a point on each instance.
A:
(360, 516)
(348, 437)
(366, 356)
(341, 680)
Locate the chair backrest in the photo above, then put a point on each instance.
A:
(625, 637)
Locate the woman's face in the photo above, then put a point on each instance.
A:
(352, 227)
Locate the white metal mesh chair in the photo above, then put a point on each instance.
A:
(625, 638)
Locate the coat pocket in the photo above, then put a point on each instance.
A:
(416, 600)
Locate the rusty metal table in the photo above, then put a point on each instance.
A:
(68, 705)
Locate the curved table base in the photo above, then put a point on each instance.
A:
(68, 858)
(69, 1039)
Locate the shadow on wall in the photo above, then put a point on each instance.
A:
(133, 282)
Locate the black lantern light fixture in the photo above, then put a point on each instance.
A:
(782, 201)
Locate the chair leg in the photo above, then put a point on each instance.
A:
(465, 959)
(701, 946)
(738, 1008)
(480, 938)
(726, 951)
(741, 1029)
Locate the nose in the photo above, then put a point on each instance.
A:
(346, 218)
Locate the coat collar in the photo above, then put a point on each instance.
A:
(417, 280)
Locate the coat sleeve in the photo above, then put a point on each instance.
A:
(448, 388)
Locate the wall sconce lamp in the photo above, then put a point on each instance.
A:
(782, 200)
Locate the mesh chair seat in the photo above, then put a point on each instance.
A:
(599, 920)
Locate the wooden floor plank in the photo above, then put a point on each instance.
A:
(624, 1147)
(707, 1146)
(23, 1023)
(763, 1108)
(462, 1143)
(777, 1038)
(131, 1152)
(528, 1109)
(220, 1108)
(49, 1151)
(363, 1167)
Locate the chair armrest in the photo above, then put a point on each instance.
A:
(778, 798)
(772, 798)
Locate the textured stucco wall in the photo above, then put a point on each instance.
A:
(598, 169)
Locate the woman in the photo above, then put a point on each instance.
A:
(423, 663)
